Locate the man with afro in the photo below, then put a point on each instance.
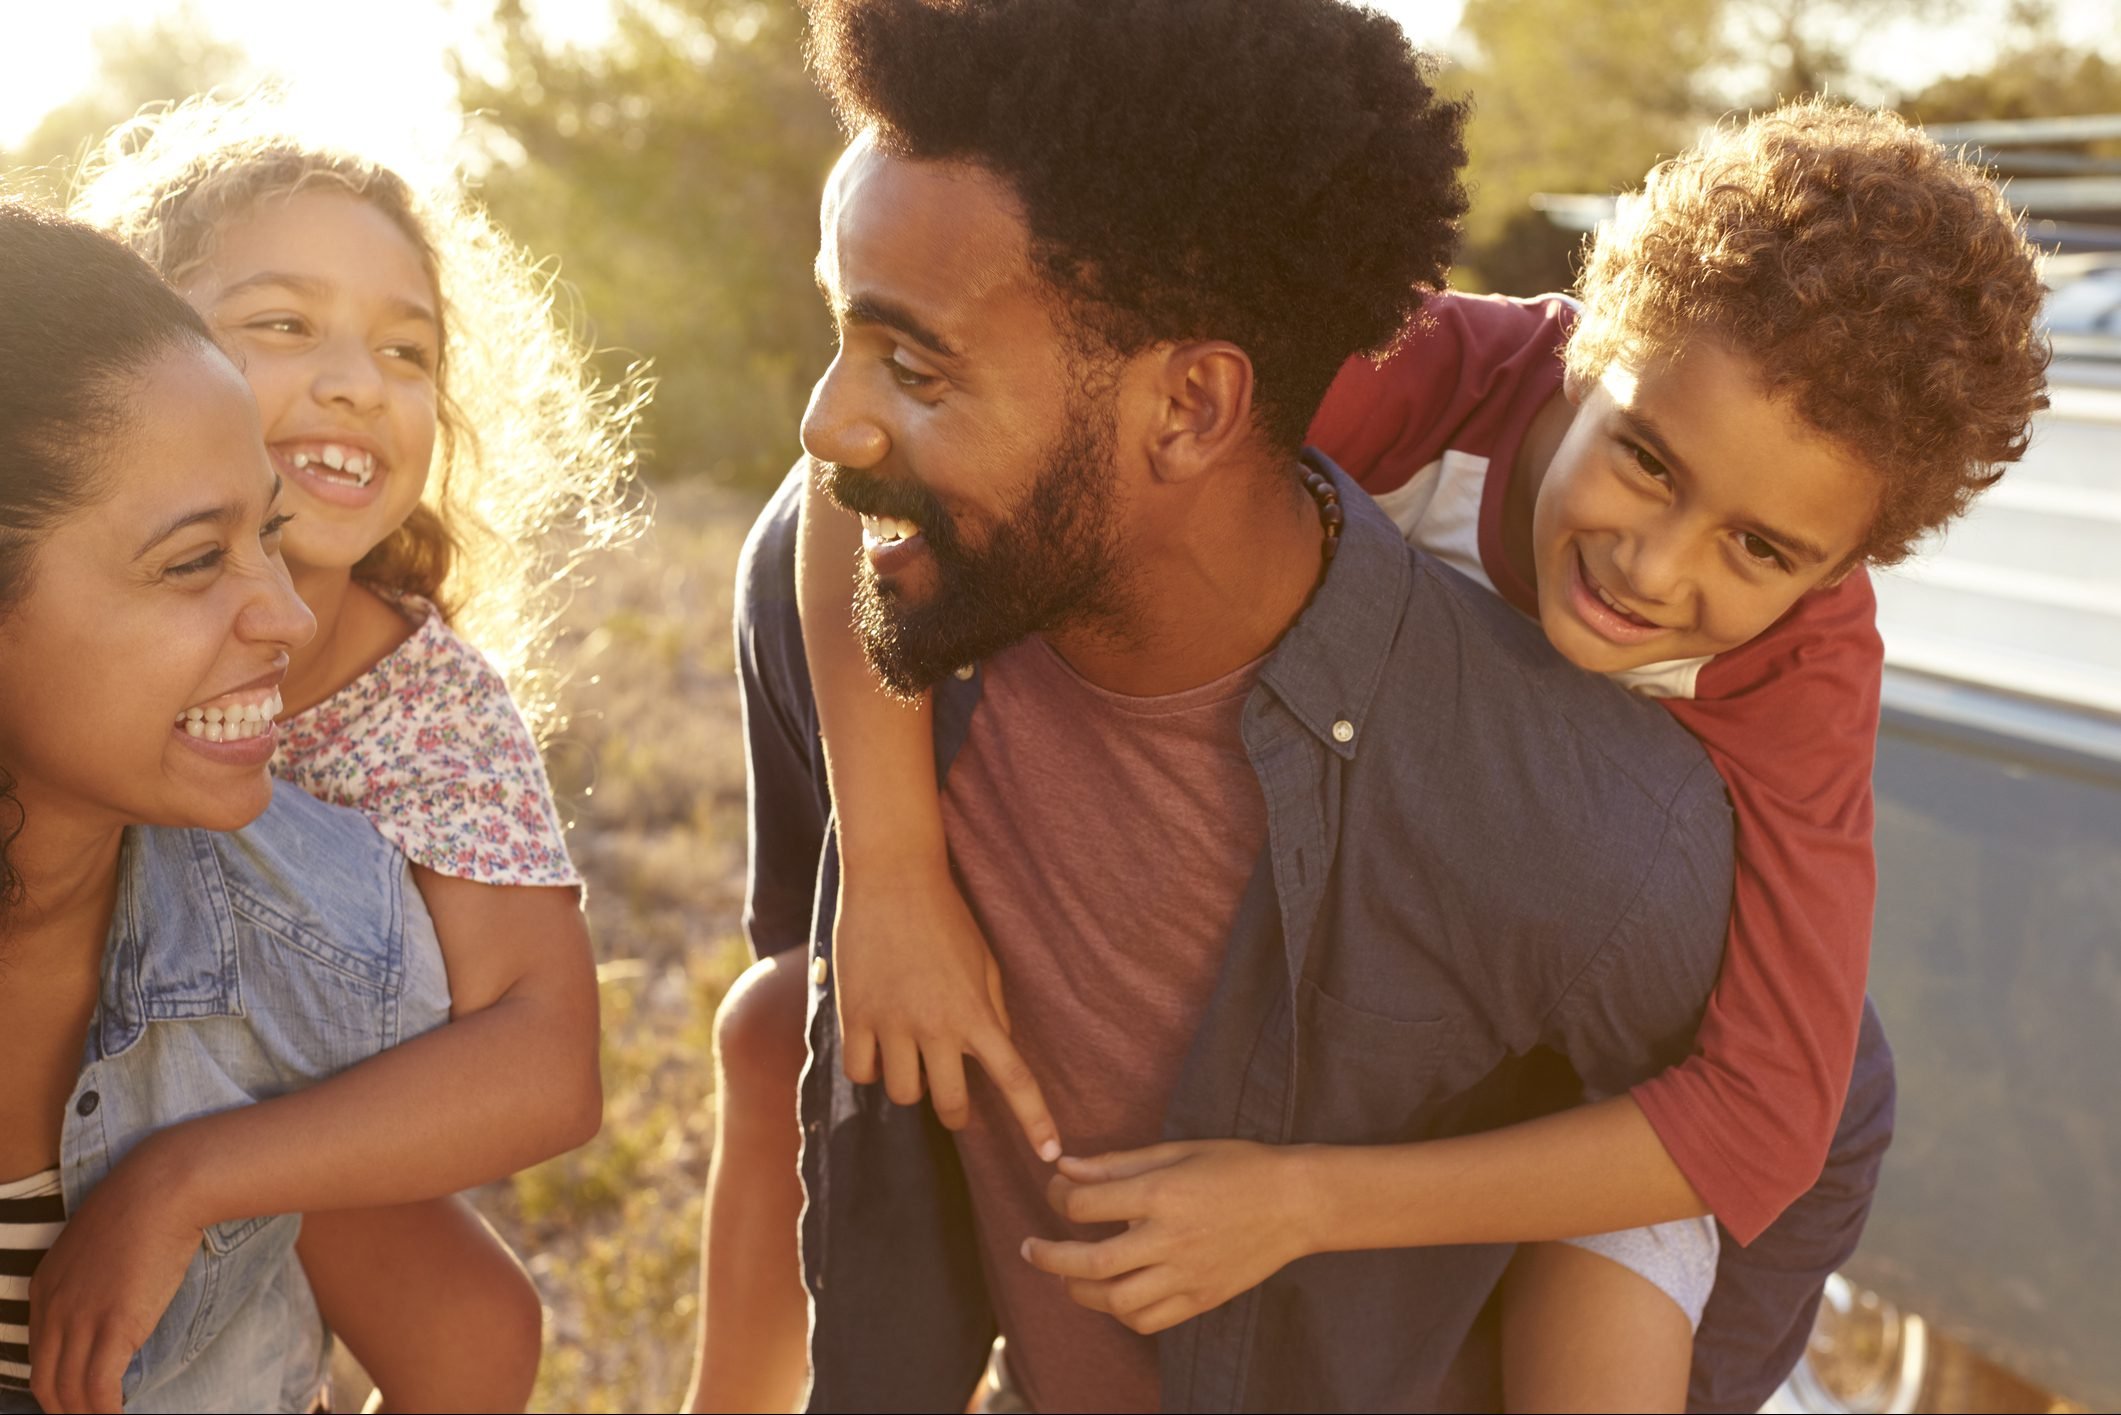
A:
(1291, 845)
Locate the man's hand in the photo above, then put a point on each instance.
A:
(1206, 1220)
(919, 988)
(98, 1293)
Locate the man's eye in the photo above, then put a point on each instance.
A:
(906, 377)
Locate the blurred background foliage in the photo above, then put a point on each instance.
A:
(675, 165)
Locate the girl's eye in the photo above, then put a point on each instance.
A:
(1761, 550)
(412, 354)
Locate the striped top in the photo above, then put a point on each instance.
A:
(32, 1211)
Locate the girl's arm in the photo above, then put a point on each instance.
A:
(512, 1080)
(917, 986)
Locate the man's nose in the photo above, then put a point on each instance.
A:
(836, 428)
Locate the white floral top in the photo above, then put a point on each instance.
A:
(429, 746)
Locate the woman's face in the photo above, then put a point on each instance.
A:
(328, 310)
(140, 670)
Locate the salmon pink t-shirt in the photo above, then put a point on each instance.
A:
(1065, 811)
(1790, 720)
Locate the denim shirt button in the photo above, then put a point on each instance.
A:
(964, 672)
(86, 1106)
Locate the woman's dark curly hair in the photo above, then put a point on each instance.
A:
(1881, 286)
(82, 319)
(1276, 173)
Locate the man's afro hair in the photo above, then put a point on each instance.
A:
(1277, 173)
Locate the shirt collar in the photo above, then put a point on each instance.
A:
(1326, 668)
(171, 953)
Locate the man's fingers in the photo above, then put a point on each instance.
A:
(902, 1070)
(1124, 1164)
(1006, 1068)
(1122, 1201)
(858, 1055)
(946, 1083)
(1102, 1261)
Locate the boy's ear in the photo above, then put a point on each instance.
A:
(1574, 385)
(1206, 398)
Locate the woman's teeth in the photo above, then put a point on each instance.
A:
(233, 722)
(884, 530)
(336, 463)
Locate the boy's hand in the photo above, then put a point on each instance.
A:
(919, 988)
(1206, 1220)
(98, 1293)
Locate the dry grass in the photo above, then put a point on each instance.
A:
(649, 772)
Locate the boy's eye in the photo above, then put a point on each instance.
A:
(1760, 550)
(1648, 464)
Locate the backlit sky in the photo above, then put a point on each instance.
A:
(387, 55)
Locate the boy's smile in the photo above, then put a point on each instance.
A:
(1685, 511)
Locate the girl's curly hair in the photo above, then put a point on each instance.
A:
(1878, 283)
(534, 460)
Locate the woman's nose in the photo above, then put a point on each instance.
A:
(835, 426)
(275, 614)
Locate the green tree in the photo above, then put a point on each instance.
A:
(677, 170)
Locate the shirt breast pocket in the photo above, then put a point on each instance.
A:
(1366, 1078)
(233, 1262)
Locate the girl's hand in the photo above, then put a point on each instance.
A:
(919, 989)
(1206, 1220)
(98, 1293)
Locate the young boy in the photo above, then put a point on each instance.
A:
(1806, 343)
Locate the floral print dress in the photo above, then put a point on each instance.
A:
(429, 746)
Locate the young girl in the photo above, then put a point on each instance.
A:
(1821, 274)
(447, 458)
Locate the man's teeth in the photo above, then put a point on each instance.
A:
(338, 463)
(232, 723)
(886, 529)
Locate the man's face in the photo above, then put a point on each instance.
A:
(1685, 512)
(981, 456)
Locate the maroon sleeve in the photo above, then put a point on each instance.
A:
(1791, 722)
(1462, 378)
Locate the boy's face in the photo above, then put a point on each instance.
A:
(1685, 512)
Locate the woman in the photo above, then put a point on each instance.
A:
(159, 977)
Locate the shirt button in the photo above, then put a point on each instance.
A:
(964, 673)
(88, 1103)
(818, 969)
(1344, 731)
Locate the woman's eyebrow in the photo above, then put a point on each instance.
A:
(218, 515)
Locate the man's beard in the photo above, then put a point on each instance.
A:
(1052, 564)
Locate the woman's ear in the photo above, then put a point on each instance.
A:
(1205, 388)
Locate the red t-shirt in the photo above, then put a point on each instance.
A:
(1790, 720)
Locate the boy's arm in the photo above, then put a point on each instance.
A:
(917, 987)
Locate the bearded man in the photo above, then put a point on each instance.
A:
(1292, 846)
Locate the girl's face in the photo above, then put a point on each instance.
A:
(331, 315)
(140, 670)
(1685, 512)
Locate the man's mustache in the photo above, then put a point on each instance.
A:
(864, 493)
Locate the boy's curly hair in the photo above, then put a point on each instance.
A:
(533, 461)
(1276, 173)
(1879, 284)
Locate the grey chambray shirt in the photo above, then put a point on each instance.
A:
(1486, 869)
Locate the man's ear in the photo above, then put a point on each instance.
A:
(1205, 390)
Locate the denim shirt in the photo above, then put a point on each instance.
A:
(239, 967)
(1488, 875)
